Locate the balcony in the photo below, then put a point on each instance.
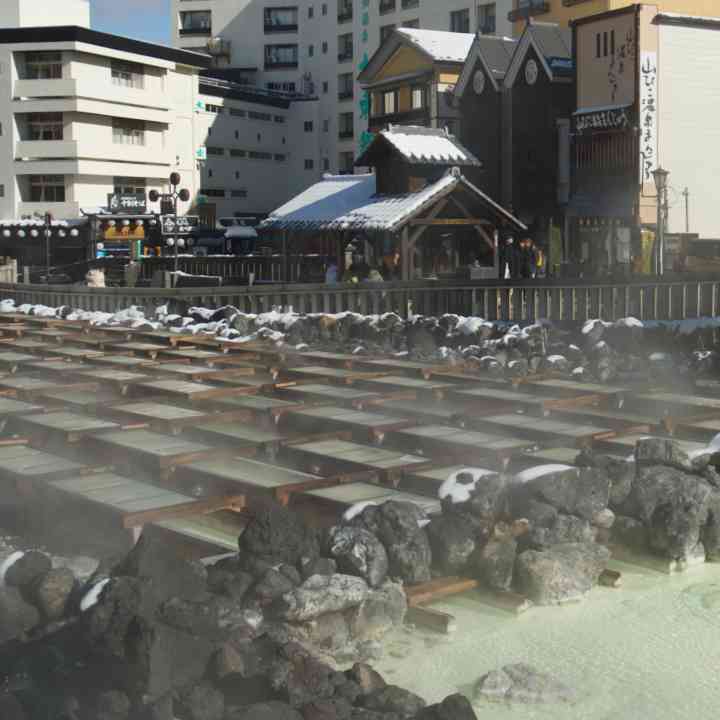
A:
(46, 149)
(58, 209)
(387, 6)
(410, 4)
(531, 9)
(345, 56)
(280, 64)
(345, 15)
(346, 134)
(273, 28)
(346, 94)
(102, 149)
(196, 31)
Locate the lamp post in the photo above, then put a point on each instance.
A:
(171, 198)
(660, 175)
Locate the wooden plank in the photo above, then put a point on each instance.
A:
(11, 361)
(69, 427)
(53, 367)
(400, 382)
(151, 350)
(128, 362)
(24, 463)
(188, 390)
(87, 401)
(329, 374)
(431, 619)
(10, 407)
(424, 593)
(114, 378)
(192, 507)
(73, 353)
(337, 394)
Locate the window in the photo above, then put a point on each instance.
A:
(237, 113)
(213, 192)
(345, 47)
(47, 188)
(345, 11)
(234, 152)
(127, 74)
(45, 126)
(279, 119)
(326, 125)
(411, 24)
(308, 126)
(238, 193)
(128, 132)
(210, 172)
(389, 102)
(387, 6)
(605, 44)
(266, 117)
(346, 126)
(216, 109)
(486, 19)
(129, 186)
(309, 164)
(216, 151)
(346, 162)
(311, 50)
(460, 21)
(324, 8)
(257, 155)
(2, 191)
(280, 157)
(281, 19)
(326, 164)
(281, 56)
(385, 32)
(43, 65)
(408, 4)
(325, 47)
(195, 22)
(612, 42)
(237, 134)
(325, 87)
(597, 45)
(346, 86)
(311, 12)
(418, 97)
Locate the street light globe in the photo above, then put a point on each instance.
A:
(180, 243)
(170, 242)
(74, 232)
(153, 221)
(21, 233)
(34, 232)
(62, 233)
(100, 246)
(126, 223)
(111, 223)
(6, 233)
(48, 233)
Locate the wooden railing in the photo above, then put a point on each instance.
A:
(524, 301)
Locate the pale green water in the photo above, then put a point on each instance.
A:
(647, 650)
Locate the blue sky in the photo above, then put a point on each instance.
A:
(142, 19)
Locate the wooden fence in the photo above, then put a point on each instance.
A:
(647, 299)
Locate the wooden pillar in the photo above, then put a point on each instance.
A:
(284, 266)
(405, 254)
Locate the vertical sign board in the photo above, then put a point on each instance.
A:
(648, 115)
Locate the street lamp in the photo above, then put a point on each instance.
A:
(171, 198)
(660, 176)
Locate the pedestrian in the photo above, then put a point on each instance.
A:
(331, 273)
(527, 259)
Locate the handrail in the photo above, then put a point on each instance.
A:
(646, 298)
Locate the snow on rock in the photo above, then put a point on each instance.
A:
(7, 306)
(7, 563)
(539, 471)
(356, 509)
(92, 596)
(629, 322)
(458, 491)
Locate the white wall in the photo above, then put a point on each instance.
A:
(34, 13)
(688, 128)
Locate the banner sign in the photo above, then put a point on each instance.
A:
(178, 225)
(611, 119)
(135, 203)
(648, 115)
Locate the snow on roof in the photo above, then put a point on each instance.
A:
(685, 19)
(350, 202)
(422, 145)
(440, 45)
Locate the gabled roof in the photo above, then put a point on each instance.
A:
(419, 146)
(350, 202)
(435, 45)
(551, 43)
(494, 53)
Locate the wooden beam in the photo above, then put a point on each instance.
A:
(437, 589)
(234, 503)
(431, 619)
(433, 214)
(444, 222)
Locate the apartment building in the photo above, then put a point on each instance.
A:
(565, 11)
(318, 48)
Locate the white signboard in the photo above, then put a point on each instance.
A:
(648, 115)
(178, 225)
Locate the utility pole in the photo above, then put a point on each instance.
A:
(48, 230)
(686, 195)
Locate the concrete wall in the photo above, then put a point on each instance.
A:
(689, 133)
(31, 13)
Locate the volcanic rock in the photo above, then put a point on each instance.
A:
(112, 705)
(562, 573)
(563, 529)
(16, 615)
(384, 609)
(522, 683)
(319, 566)
(233, 584)
(367, 679)
(358, 552)
(322, 594)
(276, 535)
(201, 702)
(333, 709)
(495, 563)
(170, 575)
(50, 592)
(453, 707)
(662, 451)
(629, 531)
(452, 541)
(272, 710)
(11, 709)
(392, 698)
(273, 585)
(475, 497)
(27, 569)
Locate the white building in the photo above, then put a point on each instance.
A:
(317, 47)
(90, 115)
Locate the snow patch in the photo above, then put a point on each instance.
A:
(356, 509)
(92, 596)
(539, 471)
(460, 492)
(7, 563)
